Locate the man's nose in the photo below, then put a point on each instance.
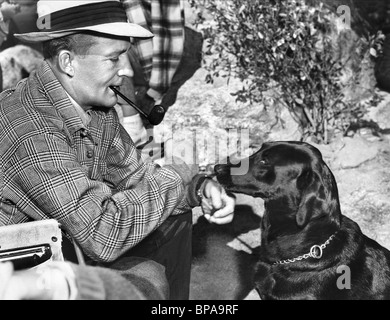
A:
(125, 69)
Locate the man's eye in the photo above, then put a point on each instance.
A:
(116, 59)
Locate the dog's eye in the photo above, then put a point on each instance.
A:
(263, 162)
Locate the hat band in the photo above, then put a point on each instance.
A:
(84, 16)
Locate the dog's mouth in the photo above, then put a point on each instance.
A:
(230, 186)
(237, 184)
(222, 173)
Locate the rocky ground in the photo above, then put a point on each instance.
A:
(224, 256)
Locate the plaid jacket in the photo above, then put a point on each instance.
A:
(159, 56)
(90, 179)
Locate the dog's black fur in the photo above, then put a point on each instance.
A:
(302, 209)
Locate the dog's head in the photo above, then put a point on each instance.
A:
(290, 176)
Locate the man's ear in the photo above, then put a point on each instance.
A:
(65, 59)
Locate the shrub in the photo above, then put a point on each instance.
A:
(293, 53)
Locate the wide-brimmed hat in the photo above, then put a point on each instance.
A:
(57, 18)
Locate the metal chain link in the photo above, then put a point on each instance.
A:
(315, 252)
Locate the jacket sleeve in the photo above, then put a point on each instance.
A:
(146, 281)
(105, 217)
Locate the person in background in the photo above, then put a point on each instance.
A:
(8, 9)
(64, 280)
(65, 156)
(160, 64)
(22, 22)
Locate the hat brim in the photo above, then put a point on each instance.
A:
(119, 29)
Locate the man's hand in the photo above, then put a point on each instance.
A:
(217, 206)
(42, 283)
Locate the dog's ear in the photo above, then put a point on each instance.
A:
(311, 190)
(304, 179)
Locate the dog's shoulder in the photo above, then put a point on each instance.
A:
(367, 263)
(355, 239)
(359, 249)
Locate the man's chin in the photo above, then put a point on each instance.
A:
(105, 106)
(109, 102)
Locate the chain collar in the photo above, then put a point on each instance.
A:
(315, 252)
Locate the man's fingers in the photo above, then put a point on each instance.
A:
(225, 214)
(217, 206)
(216, 196)
(207, 205)
(213, 219)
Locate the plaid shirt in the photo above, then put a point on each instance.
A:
(159, 56)
(91, 179)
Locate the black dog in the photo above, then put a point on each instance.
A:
(309, 250)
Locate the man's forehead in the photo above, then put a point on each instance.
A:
(107, 46)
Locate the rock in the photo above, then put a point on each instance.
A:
(347, 152)
(355, 152)
(12, 71)
(328, 151)
(17, 63)
(27, 57)
(285, 128)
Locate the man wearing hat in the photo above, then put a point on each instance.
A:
(64, 154)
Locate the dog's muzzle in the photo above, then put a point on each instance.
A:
(223, 174)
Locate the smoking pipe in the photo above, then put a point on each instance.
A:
(155, 116)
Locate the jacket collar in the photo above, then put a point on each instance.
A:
(59, 98)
